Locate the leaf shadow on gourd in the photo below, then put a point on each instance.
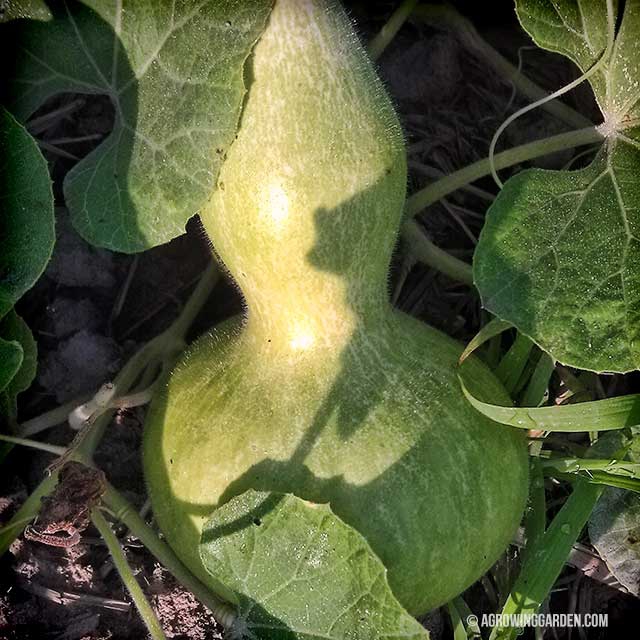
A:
(99, 65)
(339, 253)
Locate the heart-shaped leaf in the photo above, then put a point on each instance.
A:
(26, 221)
(299, 572)
(174, 72)
(559, 256)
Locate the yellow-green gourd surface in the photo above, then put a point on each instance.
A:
(323, 390)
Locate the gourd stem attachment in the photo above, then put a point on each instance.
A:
(388, 32)
(127, 514)
(422, 249)
(556, 94)
(522, 153)
(126, 575)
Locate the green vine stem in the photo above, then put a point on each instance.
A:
(34, 444)
(127, 514)
(449, 17)
(122, 566)
(160, 348)
(388, 32)
(422, 249)
(50, 418)
(439, 189)
(602, 61)
(163, 347)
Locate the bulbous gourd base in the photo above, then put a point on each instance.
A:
(381, 431)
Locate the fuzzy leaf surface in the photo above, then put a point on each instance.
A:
(10, 361)
(174, 72)
(559, 256)
(26, 220)
(300, 573)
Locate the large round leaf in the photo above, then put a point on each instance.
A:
(174, 72)
(26, 220)
(298, 572)
(559, 256)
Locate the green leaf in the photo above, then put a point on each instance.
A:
(459, 632)
(538, 385)
(598, 415)
(299, 572)
(614, 525)
(514, 362)
(559, 256)
(14, 328)
(490, 330)
(10, 361)
(174, 72)
(26, 220)
(614, 530)
(576, 29)
(14, 9)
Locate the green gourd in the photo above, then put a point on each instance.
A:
(322, 389)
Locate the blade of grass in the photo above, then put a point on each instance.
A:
(535, 521)
(539, 383)
(597, 415)
(603, 478)
(514, 361)
(122, 566)
(574, 465)
(547, 556)
(468, 617)
(459, 632)
(490, 330)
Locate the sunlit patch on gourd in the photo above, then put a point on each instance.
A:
(302, 337)
(274, 209)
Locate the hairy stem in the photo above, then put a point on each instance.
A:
(421, 248)
(127, 514)
(34, 444)
(51, 418)
(126, 575)
(449, 17)
(439, 189)
(388, 32)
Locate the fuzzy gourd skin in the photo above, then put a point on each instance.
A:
(324, 390)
